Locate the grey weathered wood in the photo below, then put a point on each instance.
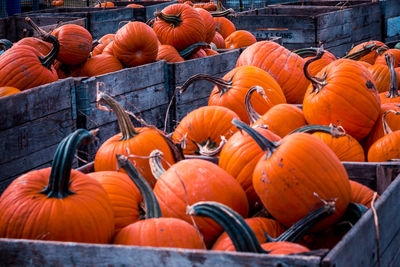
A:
(358, 246)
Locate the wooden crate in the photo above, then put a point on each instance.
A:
(304, 26)
(140, 90)
(391, 20)
(32, 123)
(147, 12)
(12, 28)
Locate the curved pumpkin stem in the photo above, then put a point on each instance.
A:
(205, 150)
(156, 166)
(306, 52)
(264, 143)
(393, 90)
(223, 13)
(331, 129)
(365, 50)
(223, 85)
(185, 53)
(318, 83)
(251, 112)
(174, 20)
(386, 128)
(5, 44)
(59, 180)
(125, 124)
(153, 209)
(242, 236)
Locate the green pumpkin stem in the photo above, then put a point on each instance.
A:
(153, 209)
(242, 236)
(223, 85)
(365, 50)
(306, 52)
(251, 112)
(331, 129)
(59, 180)
(174, 20)
(48, 60)
(393, 90)
(125, 124)
(264, 143)
(317, 82)
(223, 13)
(185, 53)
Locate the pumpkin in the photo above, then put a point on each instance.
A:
(361, 194)
(281, 119)
(219, 41)
(135, 44)
(224, 26)
(198, 54)
(284, 66)
(57, 3)
(169, 54)
(43, 47)
(134, 5)
(381, 75)
(24, 67)
(343, 145)
(343, 94)
(192, 180)
(292, 172)
(64, 71)
(239, 156)
(393, 95)
(377, 48)
(179, 25)
(154, 230)
(125, 198)
(103, 42)
(209, 23)
(239, 39)
(318, 65)
(100, 64)
(105, 4)
(395, 52)
(7, 90)
(136, 141)
(202, 130)
(210, 52)
(108, 50)
(57, 203)
(388, 146)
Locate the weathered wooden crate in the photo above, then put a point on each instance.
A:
(304, 26)
(147, 12)
(32, 123)
(391, 19)
(140, 90)
(357, 248)
(15, 28)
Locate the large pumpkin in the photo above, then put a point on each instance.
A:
(43, 47)
(209, 23)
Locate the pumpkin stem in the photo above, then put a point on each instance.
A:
(157, 169)
(125, 124)
(365, 50)
(306, 52)
(5, 44)
(387, 130)
(223, 85)
(317, 82)
(333, 130)
(174, 20)
(297, 230)
(251, 112)
(58, 186)
(223, 13)
(185, 53)
(205, 150)
(242, 236)
(264, 143)
(153, 209)
(48, 60)
(393, 90)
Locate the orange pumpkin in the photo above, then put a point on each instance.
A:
(371, 56)
(239, 39)
(43, 47)
(396, 53)
(224, 26)
(219, 41)
(105, 4)
(361, 194)
(100, 64)
(7, 90)
(169, 54)
(103, 42)
(209, 24)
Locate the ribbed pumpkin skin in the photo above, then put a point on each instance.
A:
(100, 64)
(209, 23)
(169, 54)
(385, 148)
(198, 54)
(239, 39)
(361, 194)
(160, 232)
(135, 44)
(381, 75)
(204, 181)
(370, 57)
(103, 42)
(75, 44)
(124, 196)
(239, 157)
(7, 90)
(20, 68)
(134, 5)
(43, 47)
(396, 52)
(141, 145)
(284, 248)
(224, 26)
(210, 52)
(300, 166)
(85, 216)
(108, 50)
(392, 120)
(345, 100)
(286, 67)
(259, 225)
(383, 96)
(191, 30)
(321, 63)
(282, 119)
(345, 147)
(244, 78)
(219, 41)
(209, 122)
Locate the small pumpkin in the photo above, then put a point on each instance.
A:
(57, 3)
(105, 4)
(395, 52)
(103, 42)
(224, 26)
(219, 41)
(7, 90)
(169, 54)
(100, 64)
(361, 194)
(370, 57)
(239, 39)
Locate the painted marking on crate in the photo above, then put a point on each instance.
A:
(393, 26)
